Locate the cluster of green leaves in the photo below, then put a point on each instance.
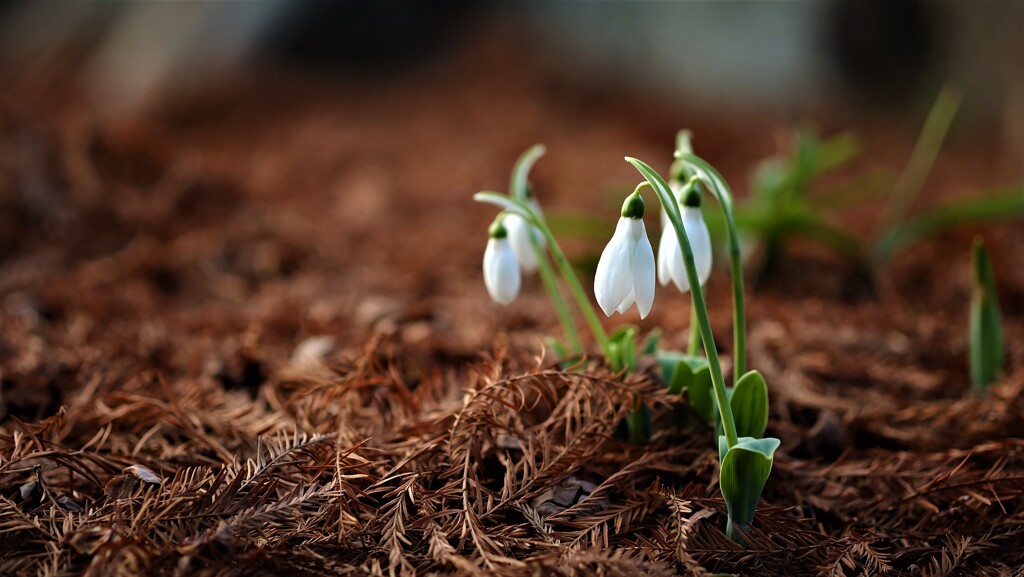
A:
(782, 206)
(745, 467)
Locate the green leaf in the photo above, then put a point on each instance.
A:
(985, 334)
(661, 187)
(519, 186)
(745, 470)
(692, 373)
(749, 404)
(503, 202)
(622, 343)
(650, 345)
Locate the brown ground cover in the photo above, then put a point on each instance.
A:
(269, 297)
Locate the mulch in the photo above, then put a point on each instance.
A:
(249, 337)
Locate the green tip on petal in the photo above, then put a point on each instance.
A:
(497, 228)
(633, 207)
(692, 199)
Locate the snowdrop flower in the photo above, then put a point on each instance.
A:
(501, 271)
(668, 241)
(519, 236)
(670, 256)
(625, 273)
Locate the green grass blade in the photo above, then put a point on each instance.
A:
(926, 150)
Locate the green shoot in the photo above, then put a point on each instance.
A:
(985, 337)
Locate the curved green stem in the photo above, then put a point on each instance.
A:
(668, 201)
(524, 210)
(714, 181)
(519, 188)
(547, 276)
(582, 300)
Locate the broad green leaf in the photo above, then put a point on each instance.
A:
(692, 373)
(745, 470)
(749, 404)
(985, 334)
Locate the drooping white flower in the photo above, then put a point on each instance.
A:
(501, 271)
(668, 242)
(670, 256)
(519, 232)
(625, 273)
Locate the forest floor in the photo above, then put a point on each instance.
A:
(274, 307)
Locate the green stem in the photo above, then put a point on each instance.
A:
(693, 346)
(524, 210)
(547, 276)
(668, 201)
(720, 189)
(582, 300)
(519, 189)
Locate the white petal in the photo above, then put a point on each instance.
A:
(700, 240)
(677, 269)
(613, 282)
(666, 246)
(670, 260)
(501, 272)
(625, 304)
(642, 264)
(676, 187)
(518, 236)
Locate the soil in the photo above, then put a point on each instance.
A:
(246, 334)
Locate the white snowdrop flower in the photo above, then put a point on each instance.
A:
(625, 273)
(501, 271)
(668, 244)
(519, 232)
(670, 256)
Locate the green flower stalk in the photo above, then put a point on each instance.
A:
(620, 349)
(688, 164)
(746, 461)
(523, 209)
(529, 246)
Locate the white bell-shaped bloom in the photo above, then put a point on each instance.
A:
(519, 232)
(670, 255)
(625, 273)
(501, 271)
(668, 243)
